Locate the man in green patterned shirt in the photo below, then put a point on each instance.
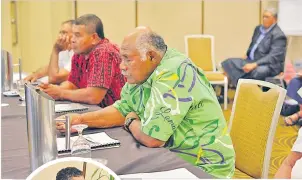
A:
(168, 102)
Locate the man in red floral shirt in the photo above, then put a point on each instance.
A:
(95, 77)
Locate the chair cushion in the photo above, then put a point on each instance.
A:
(214, 76)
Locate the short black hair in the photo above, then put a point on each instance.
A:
(68, 173)
(93, 24)
(70, 21)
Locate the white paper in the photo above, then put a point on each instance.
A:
(11, 93)
(69, 107)
(100, 138)
(300, 92)
(291, 102)
(181, 173)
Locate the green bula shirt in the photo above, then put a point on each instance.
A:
(177, 104)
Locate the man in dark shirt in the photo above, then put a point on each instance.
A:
(265, 55)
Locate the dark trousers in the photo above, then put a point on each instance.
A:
(292, 89)
(233, 68)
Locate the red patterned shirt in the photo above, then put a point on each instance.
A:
(100, 68)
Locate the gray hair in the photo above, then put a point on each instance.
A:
(273, 11)
(150, 41)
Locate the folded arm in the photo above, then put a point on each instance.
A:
(55, 74)
(135, 128)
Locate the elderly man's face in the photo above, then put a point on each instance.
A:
(135, 69)
(268, 19)
(82, 41)
(78, 178)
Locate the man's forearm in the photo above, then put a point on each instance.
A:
(53, 68)
(80, 95)
(41, 72)
(104, 118)
(144, 139)
(284, 172)
(68, 85)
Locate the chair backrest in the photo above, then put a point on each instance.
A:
(253, 123)
(200, 49)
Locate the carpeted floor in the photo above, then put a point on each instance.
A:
(284, 139)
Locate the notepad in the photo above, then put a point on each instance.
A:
(73, 107)
(181, 173)
(102, 141)
(12, 93)
(300, 92)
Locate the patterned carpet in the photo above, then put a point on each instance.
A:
(284, 139)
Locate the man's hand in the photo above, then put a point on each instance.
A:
(31, 78)
(62, 43)
(74, 119)
(244, 57)
(299, 74)
(249, 67)
(133, 115)
(52, 90)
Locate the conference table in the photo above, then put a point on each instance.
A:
(126, 159)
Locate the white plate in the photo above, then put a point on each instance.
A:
(11, 93)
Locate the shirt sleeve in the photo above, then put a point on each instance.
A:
(168, 104)
(103, 70)
(68, 60)
(122, 105)
(298, 143)
(61, 62)
(67, 66)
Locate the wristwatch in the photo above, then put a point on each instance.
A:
(128, 122)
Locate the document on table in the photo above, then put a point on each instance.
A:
(181, 173)
(72, 107)
(97, 141)
(300, 92)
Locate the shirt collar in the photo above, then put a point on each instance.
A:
(264, 31)
(102, 41)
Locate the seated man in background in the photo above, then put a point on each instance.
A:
(167, 102)
(95, 77)
(70, 173)
(265, 55)
(292, 165)
(60, 60)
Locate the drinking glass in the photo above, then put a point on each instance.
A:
(81, 147)
(21, 91)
